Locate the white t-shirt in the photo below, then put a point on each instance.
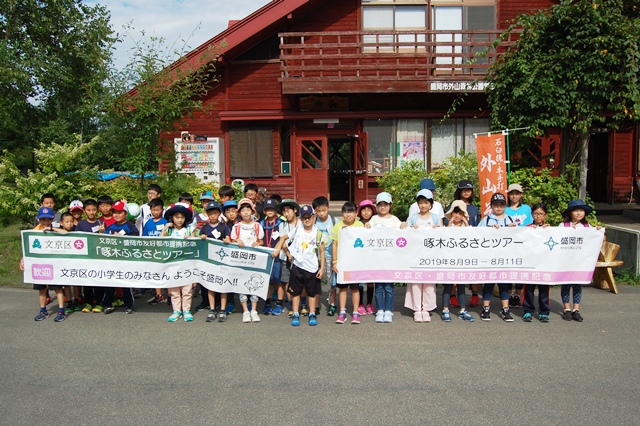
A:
(284, 229)
(435, 209)
(304, 248)
(180, 233)
(247, 232)
(385, 222)
(419, 221)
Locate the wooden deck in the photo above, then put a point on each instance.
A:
(398, 61)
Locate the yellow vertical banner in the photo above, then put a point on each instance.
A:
(492, 174)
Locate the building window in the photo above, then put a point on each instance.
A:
(395, 142)
(421, 15)
(251, 152)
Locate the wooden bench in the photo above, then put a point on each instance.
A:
(603, 275)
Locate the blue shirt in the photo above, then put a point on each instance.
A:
(127, 228)
(521, 216)
(208, 230)
(153, 228)
(326, 228)
(269, 229)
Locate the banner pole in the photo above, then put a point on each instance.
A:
(508, 157)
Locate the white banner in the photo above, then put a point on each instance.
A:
(141, 262)
(553, 255)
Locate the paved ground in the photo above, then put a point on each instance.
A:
(139, 369)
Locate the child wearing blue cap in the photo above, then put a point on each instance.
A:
(45, 220)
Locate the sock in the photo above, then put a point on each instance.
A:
(279, 302)
(312, 314)
(43, 309)
(355, 313)
(343, 311)
(61, 310)
(445, 310)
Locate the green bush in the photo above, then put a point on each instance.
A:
(554, 191)
(453, 170)
(403, 184)
(20, 194)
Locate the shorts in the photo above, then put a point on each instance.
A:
(301, 279)
(285, 273)
(44, 287)
(351, 286)
(276, 273)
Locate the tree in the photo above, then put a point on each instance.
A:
(151, 96)
(574, 67)
(54, 58)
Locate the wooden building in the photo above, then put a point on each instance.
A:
(318, 97)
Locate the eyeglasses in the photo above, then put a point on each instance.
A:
(540, 214)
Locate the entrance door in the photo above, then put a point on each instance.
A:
(598, 171)
(340, 168)
(311, 168)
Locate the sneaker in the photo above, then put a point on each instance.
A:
(304, 311)
(575, 315)
(187, 316)
(202, 306)
(380, 316)
(331, 311)
(417, 316)
(388, 316)
(474, 300)
(527, 317)
(77, 307)
(295, 320)
(426, 316)
(108, 310)
(158, 298)
(506, 315)
(543, 317)
(512, 302)
(118, 302)
(517, 303)
(566, 315)
(70, 308)
(267, 309)
(313, 320)
(485, 315)
(446, 316)
(246, 316)
(342, 317)
(290, 313)
(370, 310)
(355, 318)
(254, 316)
(61, 316)
(211, 316)
(454, 302)
(97, 309)
(175, 316)
(362, 310)
(231, 308)
(465, 316)
(87, 308)
(128, 310)
(277, 310)
(42, 315)
(222, 316)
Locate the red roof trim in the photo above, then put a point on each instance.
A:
(244, 29)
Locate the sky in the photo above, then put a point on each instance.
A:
(177, 21)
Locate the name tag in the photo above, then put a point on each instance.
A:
(159, 227)
(95, 229)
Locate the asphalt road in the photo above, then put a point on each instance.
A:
(140, 369)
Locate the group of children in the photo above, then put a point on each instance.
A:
(305, 242)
